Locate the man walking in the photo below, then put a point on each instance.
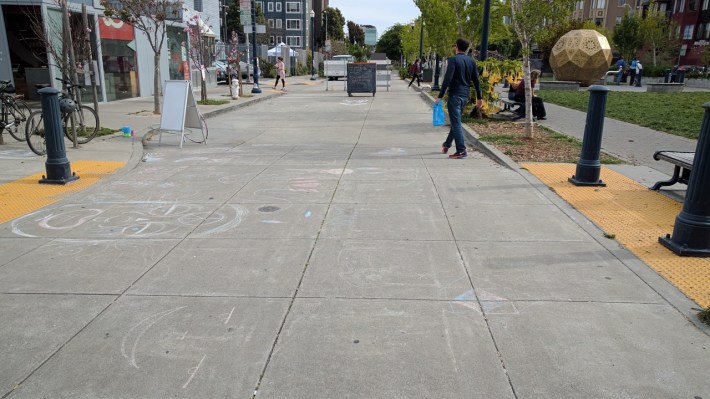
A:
(461, 70)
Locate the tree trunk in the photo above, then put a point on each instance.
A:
(69, 45)
(92, 72)
(156, 84)
(203, 87)
(528, 96)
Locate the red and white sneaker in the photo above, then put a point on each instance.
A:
(459, 155)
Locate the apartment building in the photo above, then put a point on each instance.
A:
(288, 21)
(692, 18)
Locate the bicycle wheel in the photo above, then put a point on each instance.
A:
(86, 122)
(201, 136)
(34, 133)
(19, 112)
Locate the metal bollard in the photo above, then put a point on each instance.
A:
(691, 233)
(57, 164)
(589, 167)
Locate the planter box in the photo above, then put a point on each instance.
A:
(664, 87)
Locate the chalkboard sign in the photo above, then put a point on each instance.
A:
(362, 78)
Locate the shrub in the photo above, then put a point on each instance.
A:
(492, 72)
(403, 72)
(657, 71)
(267, 68)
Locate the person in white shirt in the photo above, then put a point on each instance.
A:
(639, 72)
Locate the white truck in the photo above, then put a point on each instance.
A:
(337, 66)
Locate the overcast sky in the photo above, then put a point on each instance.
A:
(380, 13)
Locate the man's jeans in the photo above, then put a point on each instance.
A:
(456, 107)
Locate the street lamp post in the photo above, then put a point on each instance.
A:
(484, 30)
(223, 5)
(437, 70)
(255, 88)
(313, 46)
(421, 42)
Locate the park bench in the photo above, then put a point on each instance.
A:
(613, 75)
(508, 104)
(683, 161)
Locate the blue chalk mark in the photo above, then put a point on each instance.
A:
(466, 296)
(308, 214)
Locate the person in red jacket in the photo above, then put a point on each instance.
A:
(415, 72)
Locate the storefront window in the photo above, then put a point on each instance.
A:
(119, 59)
(178, 47)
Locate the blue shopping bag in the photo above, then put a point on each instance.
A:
(438, 114)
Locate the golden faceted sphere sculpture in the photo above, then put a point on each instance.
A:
(581, 55)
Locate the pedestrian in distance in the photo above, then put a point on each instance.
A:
(538, 106)
(639, 73)
(415, 72)
(461, 71)
(620, 64)
(280, 73)
(632, 71)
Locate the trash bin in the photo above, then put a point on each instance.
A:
(680, 78)
(427, 74)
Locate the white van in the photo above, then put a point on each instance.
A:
(336, 67)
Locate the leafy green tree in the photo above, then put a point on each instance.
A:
(334, 20)
(440, 23)
(148, 16)
(355, 34)
(409, 37)
(390, 42)
(234, 23)
(657, 32)
(529, 19)
(628, 37)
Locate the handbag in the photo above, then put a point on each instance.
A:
(438, 114)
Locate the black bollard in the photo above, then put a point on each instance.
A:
(57, 164)
(589, 167)
(691, 233)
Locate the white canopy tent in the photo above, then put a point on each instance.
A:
(276, 51)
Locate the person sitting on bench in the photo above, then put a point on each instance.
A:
(511, 90)
(538, 106)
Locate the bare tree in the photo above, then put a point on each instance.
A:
(199, 49)
(233, 64)
(149, 17)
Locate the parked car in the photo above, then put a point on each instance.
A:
(222, 67)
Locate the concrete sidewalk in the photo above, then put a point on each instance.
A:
(17, 161)
(320, 246)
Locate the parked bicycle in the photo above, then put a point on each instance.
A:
(74, 117)
(14, 112)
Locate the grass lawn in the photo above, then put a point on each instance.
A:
(680, 114)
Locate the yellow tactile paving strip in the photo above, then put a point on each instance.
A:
(636, 216)
(25, 195)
